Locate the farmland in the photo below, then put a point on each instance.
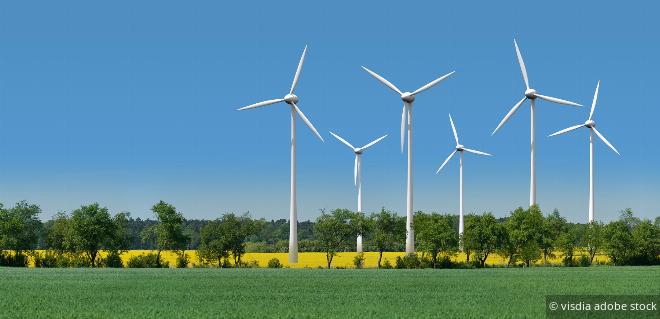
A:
(255, 293)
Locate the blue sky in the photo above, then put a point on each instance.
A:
(127, 103)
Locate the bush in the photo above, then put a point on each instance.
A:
(13, 260)
(358, 261)
(146, 261)
(182, 260)
(584, 261)
(411, 261)
(445, 262)
(387, 264)
(48, 260)
(249, 264)
(113, 260)
(274, 263)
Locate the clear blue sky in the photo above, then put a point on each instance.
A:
(130, 102)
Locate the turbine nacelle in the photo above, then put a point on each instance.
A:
(358, 151)
(407, 97)
(530, 94)
(590, 124)
(291, 98)
(460, 147)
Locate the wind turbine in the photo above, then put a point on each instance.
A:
(357, 174)
(460, 149)
(292, 100)
(591, 125)
(408, 99)
(530, 94)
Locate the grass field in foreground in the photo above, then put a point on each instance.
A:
(306, 293)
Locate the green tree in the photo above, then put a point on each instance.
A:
(567, 242)
(19, 228)
(91, 230)
(361, 225)
(646, 240)
(333, 231)
(435, 234)
(524, 228)
(618, 242)
(553, 226)
(628, 218)
(592, 240)
(388, 232)
(119, 240)
(236, 230)
(168, 232)
(212, 244)
(482, 236)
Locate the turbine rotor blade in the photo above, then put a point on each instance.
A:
(593, 104)
(445, 162)
(508, 115)
(403, 125)
(476, 152)
(432, 83)
(605, 140)
(307, 122)
(453, 128)
(382, 79)
(522, 64)
(343, 141)
(297, 76)
(556, 100)
(260, 104)
(566, 130)
(372, 143)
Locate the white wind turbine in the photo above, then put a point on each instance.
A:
(292, 100)
(459, 148)
(530, 94)
(357, 174)
(591, 125)
(408, 99)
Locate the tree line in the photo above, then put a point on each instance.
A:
(523, 237)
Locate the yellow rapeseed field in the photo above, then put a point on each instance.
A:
(344, 259)
(317, 259)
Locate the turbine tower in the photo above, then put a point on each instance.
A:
(408, 99)
(292, 100)
(357, 175)
(591, 125)
(459, 148)
(530, 94)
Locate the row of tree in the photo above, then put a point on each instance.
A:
(523, 237)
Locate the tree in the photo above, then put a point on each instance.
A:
(646, 240)
(567, 241)
(482, 236)
(333, 231)
(19, 228)
(91, 230)
(388, 232)
(361, 224)
(435, 234)
(235, 231)
(626, 216)
(119, 240)
(212, 245)
(168, 232)
(592, 239)
(524, 228)
(553, 226)
(618, 242)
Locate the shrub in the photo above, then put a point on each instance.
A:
(274, 263)
(113, 260)
(146, 261)
(182, 260)
(13, 260)
(387, 264)
(411, 261)
(249, 264)
(584, 261)
(445, 262)
(48, 260)
(358, 261)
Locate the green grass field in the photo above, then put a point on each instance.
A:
(306, 293)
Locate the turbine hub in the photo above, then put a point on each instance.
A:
(357, 151)
(460, 147)
(407, 97)
(291, 98)
(590, 123)
(530, 94)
